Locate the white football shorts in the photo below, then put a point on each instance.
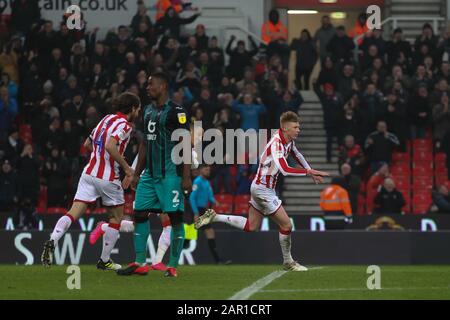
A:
(264, 199)
(91, 188)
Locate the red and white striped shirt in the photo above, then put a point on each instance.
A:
(102, 165)
(273, 161)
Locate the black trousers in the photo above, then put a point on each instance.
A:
(306, 74)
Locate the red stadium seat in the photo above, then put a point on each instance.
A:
(400, 157)
(225, 203)
(421, 155)
(422, 171)
(441, 171)
(422, 144)
(241, 204)
(440, 158)
(400, 169)
(56, 210)
(441, 179)
(423, 184)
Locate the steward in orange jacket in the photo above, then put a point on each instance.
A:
(335, 200)
(273, 29)
(163, 5)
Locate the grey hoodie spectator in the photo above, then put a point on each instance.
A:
(323, 36)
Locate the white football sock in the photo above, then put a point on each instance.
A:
(234, 221)
(109, 241)
(126, 226)
(163, 244)
(285, 243)
(61, 227)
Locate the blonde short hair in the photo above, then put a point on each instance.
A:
(289, 116)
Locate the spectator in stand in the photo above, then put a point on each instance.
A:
(8, 186)
(274, 35)
(351, 183)
(393, 111)
(71, 136)
(190, 51)
(441, 89)
(323, 36)
(379, 145)
(444, 71)
(422, 77)
(328, 73)
(441, 120)
(240, 57)
(249, 79)
(441, 199)
(351, 153)
(377, 67)
(28, 175)
(347, 82)
(208, 107)
(349, 121)
(341, 47)
(139, 17)
(419, 112)
(24, 14)
(332, 106)
(374, 184)
(171, 23)
(189, 77)
(56, 170)
(397, 47)
(389, 200)
(244, 180)
(216, 61)
(306, 58)
(202, 38)
(9, 84)
(397, 75)
(249, 111)
(227, 87)
(374, 37)
(427, 38)
(289, 100)
(371, 101)
(12, 147)
(8, 111)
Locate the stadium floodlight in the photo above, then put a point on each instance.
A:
(327, 1)
(338, 15)
(302, 11)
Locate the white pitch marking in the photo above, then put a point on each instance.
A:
(247, 292)
(353, 289)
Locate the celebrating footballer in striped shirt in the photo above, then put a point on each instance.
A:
(101, 179)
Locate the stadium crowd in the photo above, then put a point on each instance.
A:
(56, 84)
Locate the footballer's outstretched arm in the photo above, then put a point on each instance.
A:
(299, 157)
(277, 152)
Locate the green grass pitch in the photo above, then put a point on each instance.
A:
(222, 282)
